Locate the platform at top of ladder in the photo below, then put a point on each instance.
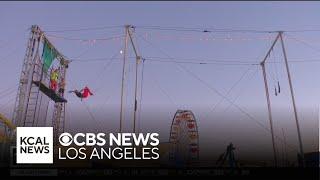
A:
(49, 92)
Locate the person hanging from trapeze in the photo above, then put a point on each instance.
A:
(83, 93)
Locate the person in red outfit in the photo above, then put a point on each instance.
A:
(83, 93)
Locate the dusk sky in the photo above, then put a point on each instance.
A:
(169, 86)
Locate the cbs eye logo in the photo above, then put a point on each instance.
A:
(65, 139)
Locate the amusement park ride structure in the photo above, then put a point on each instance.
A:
(184, 138)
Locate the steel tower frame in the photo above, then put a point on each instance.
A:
(31, 86)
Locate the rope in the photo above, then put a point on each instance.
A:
(235, 105)
(241, 91)
(232, 87)
(203, 30)
(201, 61)
(85, 40)
(83, 53)
(304, 43)
(275, 65)
(220, 94)
(156, 83)
(141, 89)
(8, 89)
(229, 30)
(84, 29)
(191, 29)
(6, 103)
(89, 111)
(7, 94)
(105, 67)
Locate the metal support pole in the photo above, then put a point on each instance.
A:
(123, 73)
(269, 112)
(141, 89)
(135, 96)
(138, 58)
(268, 53)
(268, 97)
(292, 97)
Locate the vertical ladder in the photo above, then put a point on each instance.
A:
(58, 119)
(19, 106)
(63, 119)
(34, 93)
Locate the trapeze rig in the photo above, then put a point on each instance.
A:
(33, 96)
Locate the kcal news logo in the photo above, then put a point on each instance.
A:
(34, 145)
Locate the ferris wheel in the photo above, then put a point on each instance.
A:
(184, 138)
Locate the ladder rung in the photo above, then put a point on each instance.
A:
(34, 87)
(33, 100)
(30, 121)
(33, 97)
